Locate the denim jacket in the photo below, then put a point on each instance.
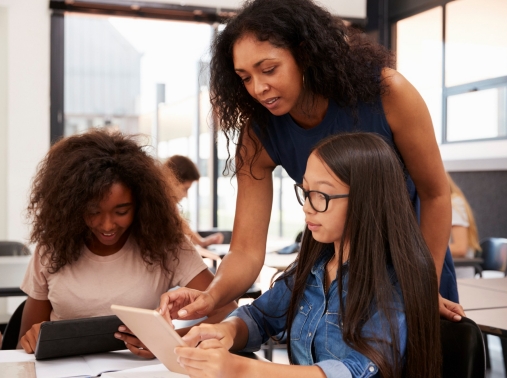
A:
(316, 336)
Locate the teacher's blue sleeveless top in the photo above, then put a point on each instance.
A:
(289, 145)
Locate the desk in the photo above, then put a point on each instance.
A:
(485, 302)
(478, 298)
(492, 321)
(90, 365)
(495, 284)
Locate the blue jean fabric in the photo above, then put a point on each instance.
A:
(316, 336)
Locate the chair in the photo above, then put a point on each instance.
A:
(494, 256)
(463, 351)
(13, 248)
(11, 333)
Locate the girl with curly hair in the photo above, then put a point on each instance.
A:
(361, 300)
(284, 75)
(107, 231)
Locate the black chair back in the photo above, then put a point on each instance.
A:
(463, 353)
(13, 248)
(494, 254)
(11, 333)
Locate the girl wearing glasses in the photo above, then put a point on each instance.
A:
(284, 75)
(361, 300)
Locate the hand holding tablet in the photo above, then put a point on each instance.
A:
(155, 332)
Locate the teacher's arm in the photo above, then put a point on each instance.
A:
(414, 136)
(241, 266)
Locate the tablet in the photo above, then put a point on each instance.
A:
(64, 338)
(154, 332)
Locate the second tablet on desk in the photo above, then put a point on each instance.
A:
(75, 337)
(154, 332)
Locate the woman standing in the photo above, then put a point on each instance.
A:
(284, 75)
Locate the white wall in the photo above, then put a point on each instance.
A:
(475, 156)
(342, 8)
(24, 106)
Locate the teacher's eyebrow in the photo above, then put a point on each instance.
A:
(123, 205)
(255, 64)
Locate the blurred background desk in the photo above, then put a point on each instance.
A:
(485, 302)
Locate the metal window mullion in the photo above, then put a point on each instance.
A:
(477, 86)
(57, 80)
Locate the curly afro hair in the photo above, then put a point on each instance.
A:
(79, 170)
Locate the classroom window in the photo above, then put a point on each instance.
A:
(455, 56)
(132, 75)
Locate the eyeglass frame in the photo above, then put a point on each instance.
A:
(306, 194)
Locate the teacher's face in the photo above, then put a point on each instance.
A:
(270, 74)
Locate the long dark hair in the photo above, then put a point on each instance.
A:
(381, 229)
(338, 62)
(80, 169)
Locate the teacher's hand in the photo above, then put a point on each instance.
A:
(185, 303)
(450, 310)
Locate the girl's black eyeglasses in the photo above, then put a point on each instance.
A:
(318, 200)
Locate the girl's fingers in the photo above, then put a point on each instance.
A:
(140, 351)
(200, 333)
(210, 344)
(164, 301)
(26, 345)
(193, 372)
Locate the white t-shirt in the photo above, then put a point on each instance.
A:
(89, 286)
(460, 218)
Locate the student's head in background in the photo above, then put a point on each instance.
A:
(98, 188)
(186, 173)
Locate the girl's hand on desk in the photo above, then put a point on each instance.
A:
(202, 332)
(185, 303)
(133, 343)
(210, 359)
(29, 339)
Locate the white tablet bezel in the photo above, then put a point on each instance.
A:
(155, 332)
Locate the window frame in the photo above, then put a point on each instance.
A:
(447, 91)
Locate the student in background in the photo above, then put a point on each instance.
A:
(361, 300)
(187, 173)
(464, 237)
(107, 231)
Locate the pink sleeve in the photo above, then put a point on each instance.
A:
(190, 264)
(35, 283)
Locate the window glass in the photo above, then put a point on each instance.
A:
(476, 40)
(133, 75)
(477, 115)
(419, 58)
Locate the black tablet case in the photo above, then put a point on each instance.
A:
(74, 337)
